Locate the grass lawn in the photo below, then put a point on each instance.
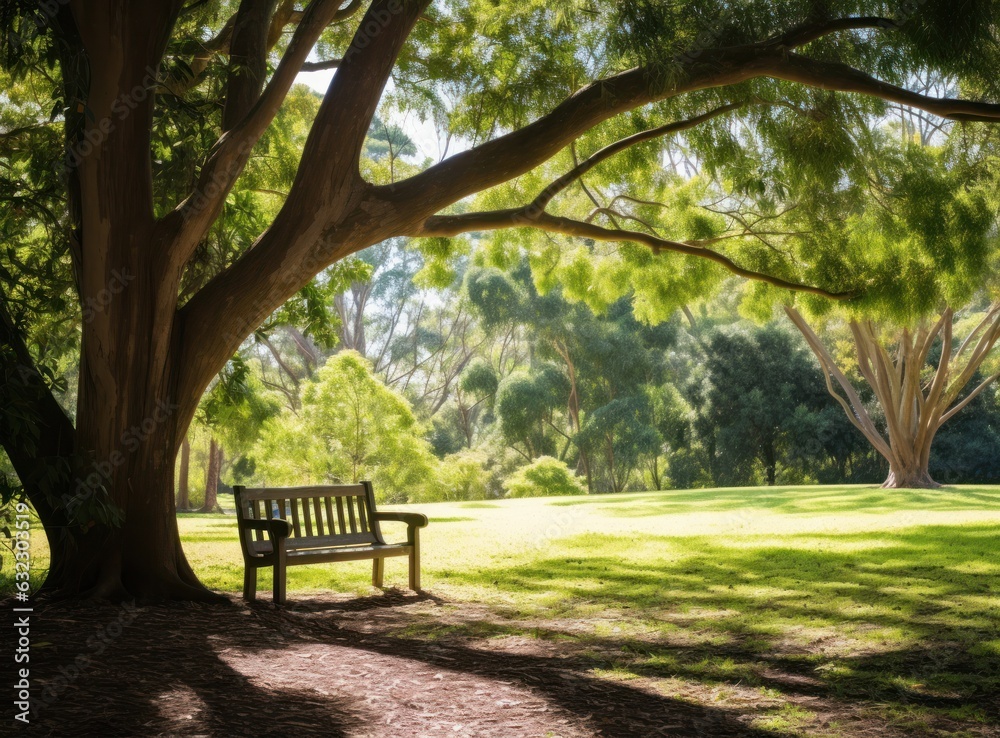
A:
(828, 611)
(821, 605)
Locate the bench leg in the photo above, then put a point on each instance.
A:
(279, 577)
(378, 572)
(250, 583)
(415, 562)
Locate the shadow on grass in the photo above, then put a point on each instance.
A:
(902, 618)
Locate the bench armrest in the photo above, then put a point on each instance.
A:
(414, 520)
(275, 528)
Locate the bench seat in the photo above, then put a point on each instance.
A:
(320, 525)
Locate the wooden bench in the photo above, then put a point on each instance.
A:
(331, 523)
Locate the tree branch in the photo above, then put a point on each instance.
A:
(515, 153)
(318, 66)
(247, 60)
(452, 225)
(192, 217)
(324, 217)
(852, 405)
(546, 195)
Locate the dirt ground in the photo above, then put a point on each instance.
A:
(337, 666)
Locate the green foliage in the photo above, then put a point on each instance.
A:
(621, 431)
(351, 427)
(759, 401)
(543, 477)
(524, 401)
(479, 379)
(459, 476)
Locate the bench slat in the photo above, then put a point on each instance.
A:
(318, 507)
(298, 493)
(349, 501)
(340, 515)
(296, 529)
(331, 523)
(348, 554)
(307, 517)
(308, 543)
(259, 535)
(363, 513)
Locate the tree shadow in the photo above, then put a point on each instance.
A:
(929, 594)
(182, 670)
(162, 674)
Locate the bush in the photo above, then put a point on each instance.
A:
(544, 476)
(460, 476)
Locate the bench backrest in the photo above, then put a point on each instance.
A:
(320, 517)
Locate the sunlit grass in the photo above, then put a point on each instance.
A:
(862, 595)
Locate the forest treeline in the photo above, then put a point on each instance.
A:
(477, 385)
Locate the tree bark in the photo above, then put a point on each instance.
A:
(914, 409)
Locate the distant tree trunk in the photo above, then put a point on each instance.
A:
(573, 407)
(654, 471)
(914, 410)
(183, 496)
(771, 466)
(212, 478)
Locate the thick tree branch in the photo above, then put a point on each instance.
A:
(198, 211)
(515, 153)
(325, 216)
(33, 456)
(839, 77)
(247, 60)
(452, 225)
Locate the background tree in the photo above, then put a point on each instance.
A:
(915, 406)
(350, 427)
(932, 214)
(757, 382)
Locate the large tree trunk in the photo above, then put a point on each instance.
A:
(914, 409)
(913, 477)
(183, 486)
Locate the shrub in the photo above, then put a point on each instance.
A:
(544, 476)
(460, 476)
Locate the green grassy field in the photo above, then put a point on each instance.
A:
(883, 599)
(826, 607)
